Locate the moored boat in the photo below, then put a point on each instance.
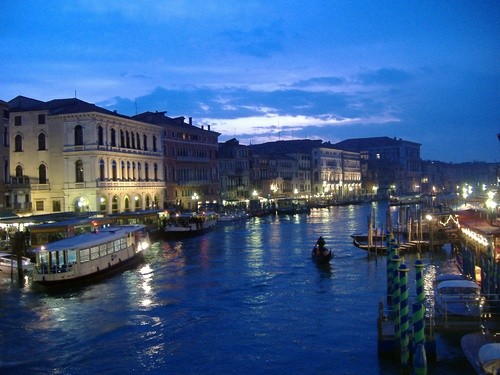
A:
(189, 224)
(8, 264)
(459, 298)
(90, 255)
(482, 349)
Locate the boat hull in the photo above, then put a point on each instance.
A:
(94, 277)
(322, 259)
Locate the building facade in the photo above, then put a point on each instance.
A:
(70, 155)
(5, 202)
(393, 166)
(189, 161)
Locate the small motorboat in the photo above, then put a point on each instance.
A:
(320, 254)
(8, 264)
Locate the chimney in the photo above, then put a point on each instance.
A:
(202, 127)
(208, 126)
(191, 121)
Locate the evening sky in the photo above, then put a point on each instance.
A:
(423, 71)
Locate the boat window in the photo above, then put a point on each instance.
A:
(109, 247)
(123, 243)
(94, 252)
(102, 249)
(84, 255)
(43, 258)
(71, 256)
(117, 245)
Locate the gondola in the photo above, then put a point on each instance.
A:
(321, 258)
(320, 254)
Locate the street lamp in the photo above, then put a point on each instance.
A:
(430, 219)
(491, 205)
(195, 200)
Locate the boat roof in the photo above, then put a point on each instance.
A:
(85, 240)
(458, 284)
(450, 276)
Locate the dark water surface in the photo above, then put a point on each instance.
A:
(243, 299)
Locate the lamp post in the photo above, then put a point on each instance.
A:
(195, 201)
(491, 205)
(430, 220)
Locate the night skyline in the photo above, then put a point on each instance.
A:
(262, 71)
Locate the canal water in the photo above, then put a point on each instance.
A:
(243, 299)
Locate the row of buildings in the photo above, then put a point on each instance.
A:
(69, 155)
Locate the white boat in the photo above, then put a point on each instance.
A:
(459, 298)
(90, 255)
(482, 349)
(8, 264)
(233, 216)
(189, 224)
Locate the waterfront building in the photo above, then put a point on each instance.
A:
(393, 166)
(440, 177)
(70, 155)
(189, 160)
(234, 172)
(5, 203)
(336, 173)
(322, 170)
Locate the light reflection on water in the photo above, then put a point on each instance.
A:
(245, 298)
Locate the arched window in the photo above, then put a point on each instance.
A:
(128, 170)
(154, 143)
(145, 141)
(100, 136)
(114, 176)
(6, 137)
(126, 204)
(137, 200)
(19, 171)
(18, 143)
(133, 170)
(114, 204)
(102, 174)
(123, 170)
(122, 139)
(146, 171)
(78, 135)
(155, 171)
(139, 171)
(41, 142)
(42, 174)
(148, 202)
(6, 170)
(127, 138)
(79, 171)
(138, 139)
(113, 138)
(102, 205)
(133, 140)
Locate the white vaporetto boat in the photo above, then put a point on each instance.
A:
(8, 264)
(90, 255)
(459, 298)
(189, 224)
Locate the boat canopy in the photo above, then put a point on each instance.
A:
(458, 287)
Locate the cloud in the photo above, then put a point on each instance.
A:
(385, 76)
(320, 81)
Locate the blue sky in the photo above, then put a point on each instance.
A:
(423, 71)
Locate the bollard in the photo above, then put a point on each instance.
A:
(404, 321)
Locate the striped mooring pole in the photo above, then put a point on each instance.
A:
(404, 318)
(395, 307)
(418, 319)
